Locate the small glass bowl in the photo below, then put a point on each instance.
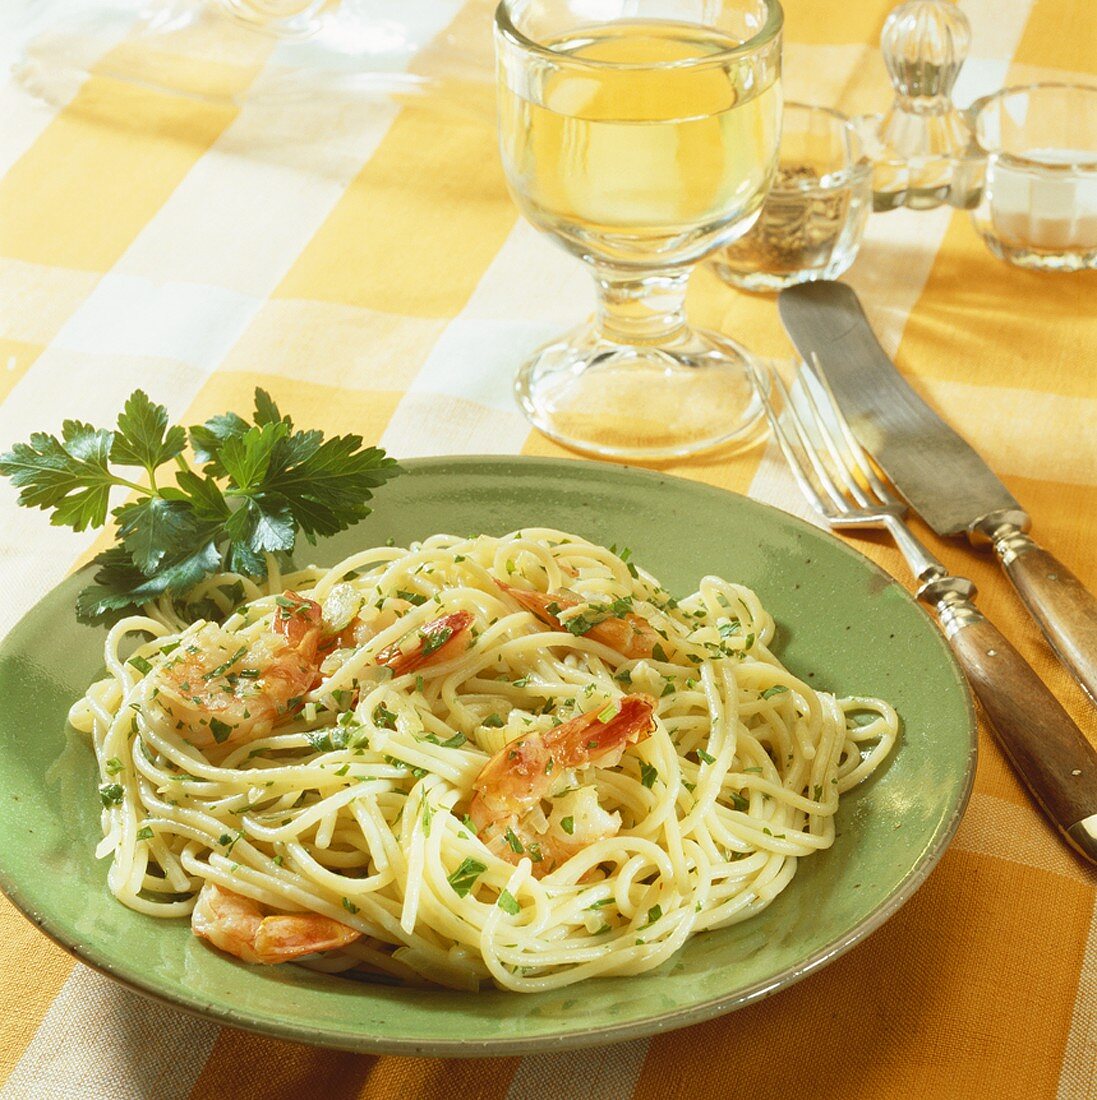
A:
(813, 218)
(1039, 204)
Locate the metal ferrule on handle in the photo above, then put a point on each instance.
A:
(951, 598)
(1064, 609)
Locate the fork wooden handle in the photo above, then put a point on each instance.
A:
(1064, 608)
(1049, 752)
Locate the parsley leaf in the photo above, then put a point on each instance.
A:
(143, 437)
(69, 475)
(259, 486)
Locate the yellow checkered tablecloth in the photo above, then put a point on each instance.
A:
(369, 269)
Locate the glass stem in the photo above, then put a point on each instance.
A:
(641, 308)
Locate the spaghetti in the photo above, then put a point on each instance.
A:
(318, 756)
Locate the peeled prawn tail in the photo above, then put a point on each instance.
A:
(630, 634)
(594, 740)
(297, 617)
(538, 603)
(286, 936)
(237, 926)
(439, 640)
(522, 772)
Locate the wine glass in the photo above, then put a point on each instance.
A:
(642, 135)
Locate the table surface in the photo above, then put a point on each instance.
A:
(366, 265)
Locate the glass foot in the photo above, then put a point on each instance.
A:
(640, 402)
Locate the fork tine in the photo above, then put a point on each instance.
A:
(844, 469)
(799, 473)
(809, 448)
(860, 457)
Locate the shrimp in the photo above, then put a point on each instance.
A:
(222, 692)
(237, 925)
(630, 634)
(513, 782)
(439, 639)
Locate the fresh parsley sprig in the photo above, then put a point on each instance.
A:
(257, 484)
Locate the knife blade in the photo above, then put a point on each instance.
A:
(939, 474)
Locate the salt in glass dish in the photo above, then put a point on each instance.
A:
(1039, 204)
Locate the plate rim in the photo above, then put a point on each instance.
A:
(345, 1039)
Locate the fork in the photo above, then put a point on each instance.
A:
(1049, 752)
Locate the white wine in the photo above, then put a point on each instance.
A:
(631, 159)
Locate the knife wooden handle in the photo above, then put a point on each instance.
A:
(1049, 752)
(1064, 608)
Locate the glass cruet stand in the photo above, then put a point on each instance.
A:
(922, 149)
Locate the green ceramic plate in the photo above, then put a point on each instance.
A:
(845, 626)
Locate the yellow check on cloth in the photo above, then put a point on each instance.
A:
(371, 272)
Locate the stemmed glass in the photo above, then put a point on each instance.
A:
(642, 135)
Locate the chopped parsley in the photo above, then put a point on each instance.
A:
(508, 903)
(648, 774)
(221, 669)
(514, 842)
(110, 794)
(609, 712)
(329, 740)
(708, 758)
(221, 730)
(433, 640)
(463, 879)
(454, 742)
(139, 663)
(568, 825)
(384, 717)
(777, 689)
(228, 842)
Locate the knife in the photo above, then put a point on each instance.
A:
(938, 474)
